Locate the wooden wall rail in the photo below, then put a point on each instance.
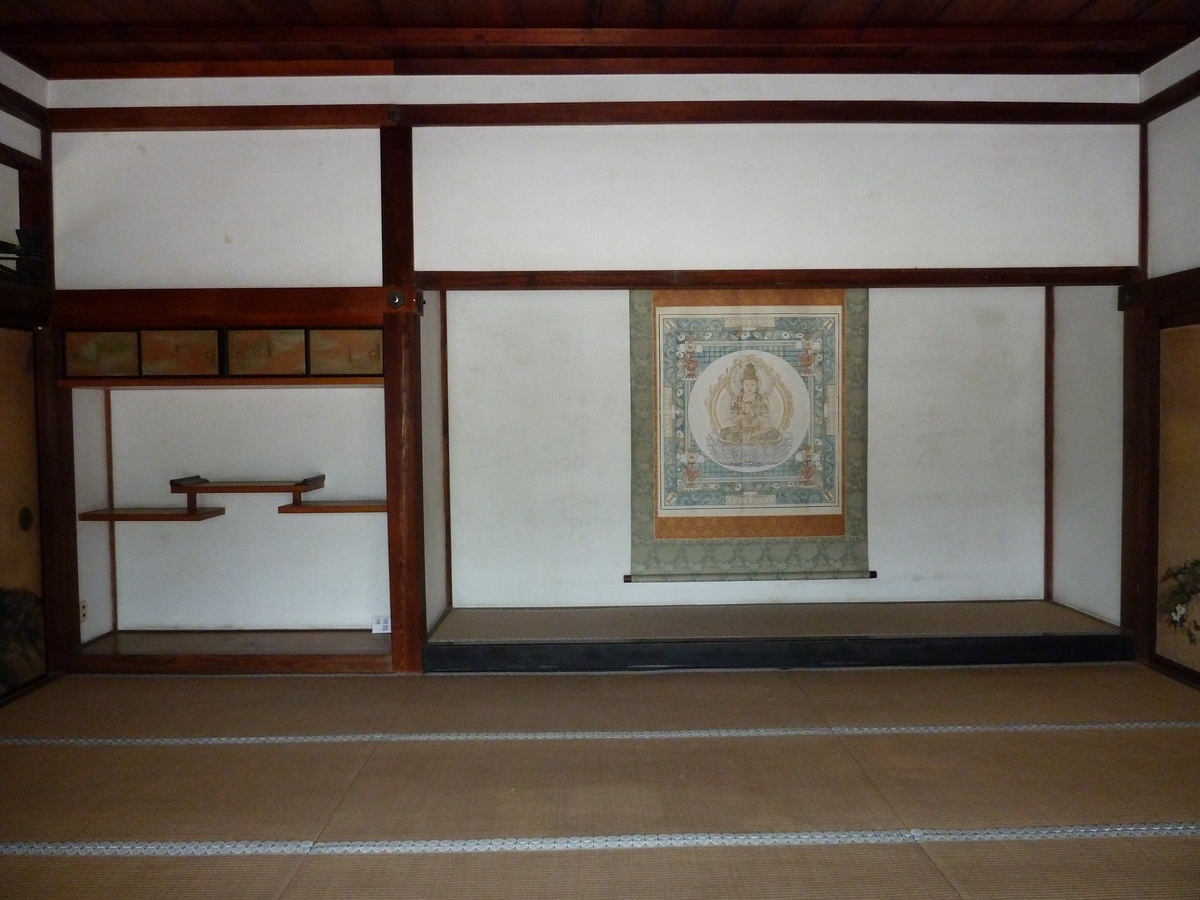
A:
(219, 307)
(774, 278)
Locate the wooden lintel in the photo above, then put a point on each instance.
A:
(218, 118)
(220, 307)
(1163, 295)
(775, 278)
(723, 39)
(767, 111)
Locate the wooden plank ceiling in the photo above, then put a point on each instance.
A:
(123, 38)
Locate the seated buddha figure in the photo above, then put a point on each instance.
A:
(749, 414)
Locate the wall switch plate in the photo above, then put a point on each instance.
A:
(382, 625)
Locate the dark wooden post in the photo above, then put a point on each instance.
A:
(402, 404)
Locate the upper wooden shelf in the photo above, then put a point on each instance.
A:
(194, 484)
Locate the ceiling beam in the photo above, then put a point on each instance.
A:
(713, 39)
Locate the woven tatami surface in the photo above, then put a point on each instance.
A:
(781, 620)
(753, 760)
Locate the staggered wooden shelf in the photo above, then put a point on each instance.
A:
(194, 485)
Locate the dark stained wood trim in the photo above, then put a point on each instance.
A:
(19, 106)
(219, 307)
(217, 118)
(445, 376)
(485, 39)
(1183, 91)
(1175, 670)
(229, 664)
(240, 68)
(1143, 199)
(402, 406)
(16, 159)
(1163, 295)
(399, 236)
(405, 488)
(764, 111)
(1139, 504)
(774, 278)
(884, 63)
(23, 307)
(56, 486)
(140, 382)
(114, 619)
(1048, 450)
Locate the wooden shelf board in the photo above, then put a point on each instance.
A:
(336, 506)
(196, 485)
(152, 514)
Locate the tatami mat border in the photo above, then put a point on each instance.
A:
(692, 733)
(600, 842)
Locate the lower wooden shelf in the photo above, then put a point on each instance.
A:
(336, 506)
(152, 514)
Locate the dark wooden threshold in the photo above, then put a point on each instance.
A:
(234, 652)
(778, 653)
(1175, 670)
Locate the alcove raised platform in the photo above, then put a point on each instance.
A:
(770, 636)
(308, 651)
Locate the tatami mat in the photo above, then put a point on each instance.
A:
(687, 759)
(774, 873)
(1047, 778)
(1012, 617)
(1138, 869)
(660, 701)
(142, 878)
(546, 788)
(1113, 692)
(138, 706)
(277, 792)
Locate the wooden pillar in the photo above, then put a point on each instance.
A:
(402, 404)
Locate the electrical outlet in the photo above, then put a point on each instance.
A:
(82, 610)
(382, 625)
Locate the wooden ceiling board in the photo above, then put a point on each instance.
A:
(836, 13)
(978, 12)
(349, 12)
(1046, 12)
(555, 13)
(909, 13)
(699, 13)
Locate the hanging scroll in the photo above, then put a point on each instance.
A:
(749, 434)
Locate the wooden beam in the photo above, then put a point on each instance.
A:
(884, 63)
(765, 111)
(774, 278)
(21, 107)
(219, 308)
(17, 159)
(1183, 91)
(217, 118)
(1164, 295)
(482, 39)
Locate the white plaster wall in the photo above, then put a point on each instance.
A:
(20, 135)
(1180, 64)
(10, 203)
(217, 209)
(540, 452)
(252, 567)
(91, 492)
(1174, 159)
(23, 80)
(433, 470)
(1088, 379)
(775, 196)
(589, 88)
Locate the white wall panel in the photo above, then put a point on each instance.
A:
(1087, 450)
(775, 196)
(1175, 190)
(217, 209)
(10, 203)
(589, 88)
(540, 452)
(91, 492)
(20, 135)
(252, 567)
